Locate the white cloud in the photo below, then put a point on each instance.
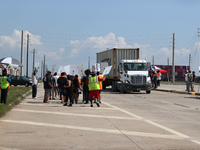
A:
(61, 50)
(14, 41)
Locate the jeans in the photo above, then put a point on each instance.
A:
(86, 95)
(187, 85)
(4, 93)
(34, 91)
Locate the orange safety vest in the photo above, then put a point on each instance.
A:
(79, 81)
(158, 74)
(151, 75)
(100, 82)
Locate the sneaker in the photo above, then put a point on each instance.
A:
(91, 105)
(65, 104)
(86, 103)
(49, 98)
(98, 105)
(46, 101)
(70, 105)
(99, 101)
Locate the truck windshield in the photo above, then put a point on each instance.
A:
(135, 67)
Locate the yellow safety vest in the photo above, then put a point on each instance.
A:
(4, 82)
(93, 83)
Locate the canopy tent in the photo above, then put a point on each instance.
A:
(10, 61)
(157, 68)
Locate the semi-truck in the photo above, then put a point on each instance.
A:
(128, 72)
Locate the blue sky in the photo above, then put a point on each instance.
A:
(69, 31)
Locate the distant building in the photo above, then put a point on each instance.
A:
(10, 70)
(179, 72)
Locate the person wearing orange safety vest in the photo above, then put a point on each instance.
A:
(4, 83)
(152, 78)
(100, 84)
(159, 75)
(155, 79)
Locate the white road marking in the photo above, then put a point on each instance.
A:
(95, 129)
(5, 148)
(156, 124)
(73, 114)
(61, 105)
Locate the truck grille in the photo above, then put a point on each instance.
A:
(138, 80)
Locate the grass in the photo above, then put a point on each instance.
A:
(13, 98)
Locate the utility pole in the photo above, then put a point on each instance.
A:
(168, 69)
(27, 56)
(41, 69)
(44, 66)
(34, 51)
(173, 59)
(22, 52)
(89, 63)
(190, 61)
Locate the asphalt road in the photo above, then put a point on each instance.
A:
(133, 121)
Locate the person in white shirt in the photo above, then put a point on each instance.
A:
(55, 78)
(186, 81)
(34, 85)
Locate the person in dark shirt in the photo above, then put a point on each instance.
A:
(75, 88)
(62, 81)
(47, 86)
(69, 91)
(85, 86)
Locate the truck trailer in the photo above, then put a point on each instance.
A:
(128, 73)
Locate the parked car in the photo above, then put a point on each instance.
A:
(20, 80)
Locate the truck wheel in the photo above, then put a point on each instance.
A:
(104, 85)
(114, 88)
(122, 90)
(148, 92)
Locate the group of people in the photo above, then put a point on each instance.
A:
(156, 77)
(68, 87)
(190, 79)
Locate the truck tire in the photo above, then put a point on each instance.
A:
(122, 89)
(104, 84)
(148, 92)
(113, 86)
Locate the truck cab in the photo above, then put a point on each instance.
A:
(134, 76)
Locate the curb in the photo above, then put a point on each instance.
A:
(179, 92)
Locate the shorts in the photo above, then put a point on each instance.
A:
(61, 91)
(47, 91)
(52, 90)
(75, 90)
(94, 94)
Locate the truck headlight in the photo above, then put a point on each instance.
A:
(149, 80)
(126, 81)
